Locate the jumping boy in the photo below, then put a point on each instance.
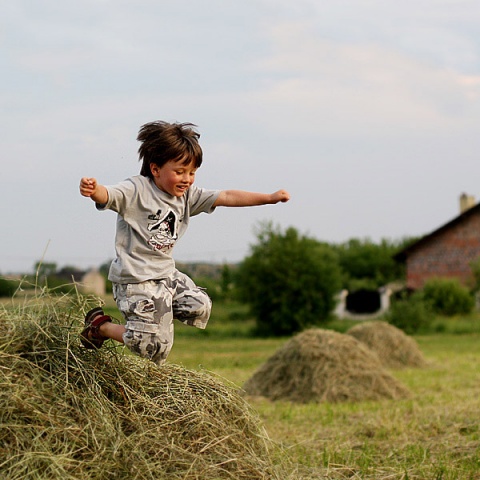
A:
(153, 212)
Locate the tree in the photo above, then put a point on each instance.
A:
(368, 265)
(45, 269)
(226, 282)
(289, 281)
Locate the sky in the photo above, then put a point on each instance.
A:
(366, 111)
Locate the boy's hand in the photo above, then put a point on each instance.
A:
(88, 186)
(280, 196)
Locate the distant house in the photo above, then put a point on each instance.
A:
(446, 252)
(91, 281)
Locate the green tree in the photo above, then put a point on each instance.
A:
(369, 265)
(226, 282)
(45, 269)
(289, 281)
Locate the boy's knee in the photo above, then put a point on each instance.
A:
(197, 312)
(147, 341)
(203, 315)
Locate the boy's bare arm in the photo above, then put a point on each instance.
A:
(240, 198)
(90, 188)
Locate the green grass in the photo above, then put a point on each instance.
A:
(433, 435)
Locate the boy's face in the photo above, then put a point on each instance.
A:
(173, 177)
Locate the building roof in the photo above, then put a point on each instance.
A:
(402, 255)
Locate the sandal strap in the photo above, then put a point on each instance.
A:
(92, 314)
(98, 321)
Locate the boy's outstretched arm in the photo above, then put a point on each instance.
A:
(90, 188)
(240, 198)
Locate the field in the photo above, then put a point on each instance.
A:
(433, 435)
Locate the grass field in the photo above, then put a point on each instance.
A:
(433, 435)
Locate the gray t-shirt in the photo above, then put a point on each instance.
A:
(149, 223)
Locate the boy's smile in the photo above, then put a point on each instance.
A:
(174, 177)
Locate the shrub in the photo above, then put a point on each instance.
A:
(448, 297)
(7, 288)
(475, 267)
(410, 314)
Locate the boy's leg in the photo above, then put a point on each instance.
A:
(191, 304)
(147, 308)
(113, 331)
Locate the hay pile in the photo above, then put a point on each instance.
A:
(394, 348)
(320, 365)
(70, 413)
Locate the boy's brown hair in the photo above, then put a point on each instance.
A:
(163, 141)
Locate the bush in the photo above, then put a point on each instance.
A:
(475, 267)
(410, 314)
(447, 296)
(7, 288)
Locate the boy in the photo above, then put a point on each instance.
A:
(154, 209)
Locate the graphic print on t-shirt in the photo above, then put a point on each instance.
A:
(163, 230)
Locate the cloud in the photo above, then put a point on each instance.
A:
(362, 87)
(361, 108)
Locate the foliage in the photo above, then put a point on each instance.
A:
(44, 269)
(368, 265)
(48, 275)
(57, 285)
(289, 281)
(227, 282)
(475, 267)
(105, 267)
(7, 287)
(219, 287)
(211, 286)
(410, 314)
(447, 296)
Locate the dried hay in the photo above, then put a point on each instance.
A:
(324, 366)
(70, 413)
(394, 348)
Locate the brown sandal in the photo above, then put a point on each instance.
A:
(90, 336)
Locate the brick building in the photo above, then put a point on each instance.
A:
(447, 251)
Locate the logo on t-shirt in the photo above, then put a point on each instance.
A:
(163, 230)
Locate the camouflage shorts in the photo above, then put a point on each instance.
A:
(150, 307)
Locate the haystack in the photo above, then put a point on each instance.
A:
(324, 366)
(394, 348)
(71, 413)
